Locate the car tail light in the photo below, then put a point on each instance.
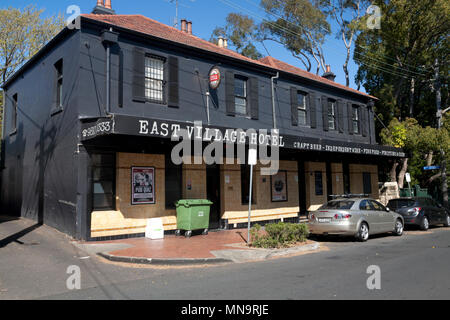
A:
(342, 216)
(414, 211)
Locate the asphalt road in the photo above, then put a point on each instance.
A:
(34, 262)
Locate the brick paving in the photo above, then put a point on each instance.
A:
(198, 246)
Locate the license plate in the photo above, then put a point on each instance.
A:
(324, 220)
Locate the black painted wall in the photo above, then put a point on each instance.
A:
(46, 174)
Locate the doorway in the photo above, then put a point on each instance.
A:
(213, 194)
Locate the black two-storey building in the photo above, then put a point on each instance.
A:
(88, 123)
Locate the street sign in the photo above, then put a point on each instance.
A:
(432, 168)
(408, 177)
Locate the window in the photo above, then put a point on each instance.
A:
(154, 78)
(14, 113)
(355, 119)
(173, 184)
(245, 185)
(338, 204)
(103, 181)
(365, 205)
(331, 115)
(377, 206)
(318, 183)
(240, 95)
(59, 83)
(367, 183)
(301, 97)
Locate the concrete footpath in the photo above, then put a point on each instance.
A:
(224, 246)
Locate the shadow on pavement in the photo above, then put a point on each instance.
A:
(15, 237)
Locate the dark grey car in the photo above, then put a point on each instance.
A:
(419, 211)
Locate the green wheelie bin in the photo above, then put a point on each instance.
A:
(192, 214)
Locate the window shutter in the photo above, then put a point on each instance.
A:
(174, 100)
(312, 109)
(294, 106)
(229, 93)
(120, 85)
(325, 113)
(350, 117)
(138, 74)
(363, 121)
(254, 98)
(340, 110)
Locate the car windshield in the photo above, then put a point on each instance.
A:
(338, 204)
(401, 203)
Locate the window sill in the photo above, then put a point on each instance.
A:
(56, 111)
(13, 133)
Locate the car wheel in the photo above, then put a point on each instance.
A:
(425, 224)
(398, 231)
(447, 221)
(188, 234)
(363, 232)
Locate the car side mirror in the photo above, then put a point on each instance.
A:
(387, 209)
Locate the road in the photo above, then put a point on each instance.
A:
(34, 262)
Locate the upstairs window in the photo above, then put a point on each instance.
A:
(240, 95)
(59, 83)
(154, 79)
(331, 115)
(302, 113)
(355, 119)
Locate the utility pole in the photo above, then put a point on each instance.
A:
(437, 86)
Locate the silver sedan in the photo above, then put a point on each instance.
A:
(357, 217)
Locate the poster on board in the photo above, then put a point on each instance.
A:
(279, 186)
(143, 185)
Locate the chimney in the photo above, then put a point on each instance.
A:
(103, 7)
(328, 74)
(189, 27)
(225, 43)
(220, 42)
(183, 25)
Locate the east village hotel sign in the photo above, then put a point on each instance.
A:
(129, 125)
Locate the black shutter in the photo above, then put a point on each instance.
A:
(350, 117)
(312, 109)
(325, 113)
(138, 74)
(229, 93)
(294, 106)
(254, 98)
(120, 93)
(363, 121)
(174, 100)
(340, 108)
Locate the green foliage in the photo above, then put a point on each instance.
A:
(240, 31)
(22, 33)
(397, 61)
(278, 235)
(423, 144)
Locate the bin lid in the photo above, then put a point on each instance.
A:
(193, 202)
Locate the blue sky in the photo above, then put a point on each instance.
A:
(205, 15)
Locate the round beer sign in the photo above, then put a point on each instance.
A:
(214, 78)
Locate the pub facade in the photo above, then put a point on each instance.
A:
(92, 121)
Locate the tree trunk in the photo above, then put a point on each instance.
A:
(401, 175)
(345, 67)
(429, 158)
(411, 99)
(393, 172)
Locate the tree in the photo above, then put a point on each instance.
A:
(22, 34)
(299, 25)
(349, 16)
(241, 31)
(396, 61)
(422, 144)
